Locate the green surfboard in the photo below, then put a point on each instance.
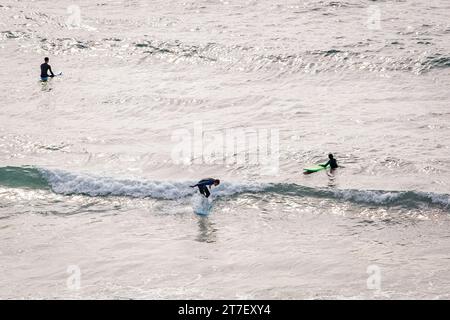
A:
(313, 169)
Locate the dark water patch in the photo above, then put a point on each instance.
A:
(437, 61)
(22, 177)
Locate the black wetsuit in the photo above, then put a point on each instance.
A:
(45, 68)
(203, 186)
(332, 162)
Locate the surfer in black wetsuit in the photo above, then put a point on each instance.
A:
(204, 184)
(45, 68)
(332, 162)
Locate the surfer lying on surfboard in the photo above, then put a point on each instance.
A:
(204, 184)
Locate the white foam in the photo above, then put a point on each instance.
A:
(367, 196)
(387, 197)
(73, 183)
(441, 199)
(64, 182)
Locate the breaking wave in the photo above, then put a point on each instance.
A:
(67, 183)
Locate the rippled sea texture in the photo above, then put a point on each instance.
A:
(90, 186)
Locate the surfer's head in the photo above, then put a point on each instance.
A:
(46, 59)
(330, 156)
(216, 182)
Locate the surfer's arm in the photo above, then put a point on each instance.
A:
(51, 72)
(325, 165)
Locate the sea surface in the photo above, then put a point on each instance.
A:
(96, 164)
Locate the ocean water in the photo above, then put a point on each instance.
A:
(95, 165)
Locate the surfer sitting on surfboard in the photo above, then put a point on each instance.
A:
(332, 162)
(204, 184)
(45, 68)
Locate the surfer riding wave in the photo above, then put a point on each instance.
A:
(204, 184)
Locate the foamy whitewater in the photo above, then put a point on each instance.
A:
(96, 165)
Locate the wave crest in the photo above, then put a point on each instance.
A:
(68, 183)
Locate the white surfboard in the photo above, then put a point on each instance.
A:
(201, 205)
